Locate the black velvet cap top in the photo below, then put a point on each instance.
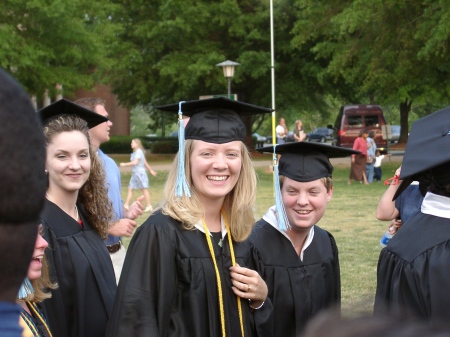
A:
(304, 161)
(427, 150)
(215, 120)
(65, 107)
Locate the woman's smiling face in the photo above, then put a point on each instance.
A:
(35, 268)
(215, 168)
(68, 161)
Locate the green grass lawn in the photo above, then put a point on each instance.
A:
(350, 217)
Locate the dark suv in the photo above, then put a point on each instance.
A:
(321, 135)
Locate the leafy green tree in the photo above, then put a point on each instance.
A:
(50, 42)
(380, 51)
(168, 51)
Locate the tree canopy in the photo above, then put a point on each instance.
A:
(327, 53)
(381, 51)
(50, 42)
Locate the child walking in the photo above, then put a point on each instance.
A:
(377, 166)
(139, 179)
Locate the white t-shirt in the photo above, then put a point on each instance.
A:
(378, 160)
(279, 130)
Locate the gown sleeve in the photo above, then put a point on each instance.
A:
(413, 275)
(61, 305)
(336, 285)
(262, 318)
(144, 298)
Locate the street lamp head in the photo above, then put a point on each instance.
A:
(228, 68)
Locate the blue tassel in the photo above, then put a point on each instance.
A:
(283, 221)
(25, 289)
(182, 187)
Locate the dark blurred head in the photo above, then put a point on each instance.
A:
(331, 325)
(371, 134)
(22, 176)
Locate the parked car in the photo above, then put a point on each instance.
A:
(289, 138)
(395, 133)
(260, 140)
(173, 134)
(352, 118)
(322, 135)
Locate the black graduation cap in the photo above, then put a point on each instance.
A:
(303, 162)
(427, 150)
(65, 107)
(214, 120)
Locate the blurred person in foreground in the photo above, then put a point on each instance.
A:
(188, 270)
(123, 222)
(22, 195)
(330, 324)
(36, 288)
(414, 269)
(299, 260)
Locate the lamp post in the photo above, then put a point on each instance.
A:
(228, 72)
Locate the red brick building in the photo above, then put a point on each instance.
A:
(119, 115)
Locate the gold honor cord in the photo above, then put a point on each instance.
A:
(38, 316)
(29, 324)
(219, 283)
(233, 261)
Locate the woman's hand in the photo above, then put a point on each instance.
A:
(248, 284)
(122, 164)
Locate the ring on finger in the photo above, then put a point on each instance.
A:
(249, 288)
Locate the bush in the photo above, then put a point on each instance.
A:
(167, 146)
(118, 144)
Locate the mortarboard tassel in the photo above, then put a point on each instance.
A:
(182, 188)
(25, 289)
(283, 221)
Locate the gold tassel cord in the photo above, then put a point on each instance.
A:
(219, 283)
(233, 261)
(39, 316)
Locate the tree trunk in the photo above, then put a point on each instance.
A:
(405, 108)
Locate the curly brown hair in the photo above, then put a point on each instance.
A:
(93, 195)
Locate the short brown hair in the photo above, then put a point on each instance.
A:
(326, 181)
(90, 102)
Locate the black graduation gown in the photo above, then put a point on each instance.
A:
(413, 275)
(79, 262)
(168, 285)
(298, 289)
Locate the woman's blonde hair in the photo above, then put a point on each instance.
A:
(238, 204)
(139, 143)
(41, 285)
(93, 195)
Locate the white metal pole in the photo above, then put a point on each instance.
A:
(272, 56)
